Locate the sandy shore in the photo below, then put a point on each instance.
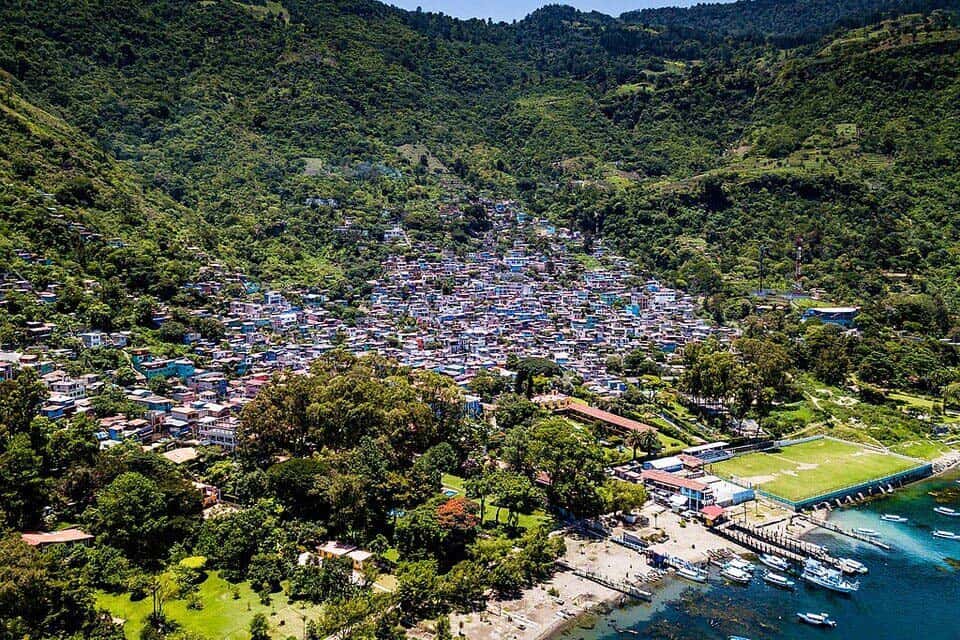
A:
(544, 610)
(692, 541)
(538, 615)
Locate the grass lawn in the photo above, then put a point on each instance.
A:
(922, 403)
(525, 521)
(923, 449)
(670, 444)
(812, 468)
(221, 616)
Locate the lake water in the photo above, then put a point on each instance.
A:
(911, 592)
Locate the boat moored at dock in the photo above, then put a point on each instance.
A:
(778, 580)
(736, 575)
(851, 566)
(741, 564)
(692, 572)
(774, 562)
(817, 574)
(867, 533)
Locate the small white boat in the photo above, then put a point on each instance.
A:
(892, 517)
(849, 565)
(946, 535)
(741, 564)
(691, 572)
(817, 574)
(869, 533)
(947, 511)
(735, 575)
(778, 580)
(817, 619)
(774, 562)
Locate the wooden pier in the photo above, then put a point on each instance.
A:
(763, 542)
(623, 587)
(829, 526)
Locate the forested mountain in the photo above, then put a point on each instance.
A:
(784, 21)
(688, 137)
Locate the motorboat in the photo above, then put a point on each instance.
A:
(817, 619)
(946, 535)
(892, 517)
(737, 638)
(741, 564)
(775, 562)
(736, 575)
(869, 533)
(778, 580)
(947, 511)
(817, 574)
(851, 566)
(691, 572)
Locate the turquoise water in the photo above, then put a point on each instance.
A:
(910, 592)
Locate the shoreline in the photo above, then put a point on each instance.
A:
(662, 593)
(556, 608)
(546, 611)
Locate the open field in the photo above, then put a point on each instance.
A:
(809, 469)
(222, 616)
(923, 449)
(525, 521)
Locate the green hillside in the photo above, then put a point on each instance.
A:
(689, 147)
(69, 211)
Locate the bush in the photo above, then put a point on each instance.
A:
(79, 190)
(266, 570)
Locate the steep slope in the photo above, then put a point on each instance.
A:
(70, 205)
(690, 148)
(788, 22)
(849, 147)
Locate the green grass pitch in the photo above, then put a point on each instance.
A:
(802, 471)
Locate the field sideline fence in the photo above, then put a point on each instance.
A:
(908, 475)
(922, 470)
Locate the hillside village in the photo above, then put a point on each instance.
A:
(452, 314)
(338, 321)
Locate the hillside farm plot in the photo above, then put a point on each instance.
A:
(809, 469)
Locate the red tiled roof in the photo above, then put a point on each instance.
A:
(690, 461)
(712, 511)
(609, 418)
(672, 480)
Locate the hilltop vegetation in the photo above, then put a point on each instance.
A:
(686, 141)
(787, 22)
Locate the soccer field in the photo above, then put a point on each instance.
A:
(801, 471)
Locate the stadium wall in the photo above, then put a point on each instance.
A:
(903, 477)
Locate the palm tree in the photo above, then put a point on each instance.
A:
(649, 442)
(634, 440)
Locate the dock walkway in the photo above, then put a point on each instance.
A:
(765, 542)
(829, 526)
(623, 587)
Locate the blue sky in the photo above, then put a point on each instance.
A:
(515, 9)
